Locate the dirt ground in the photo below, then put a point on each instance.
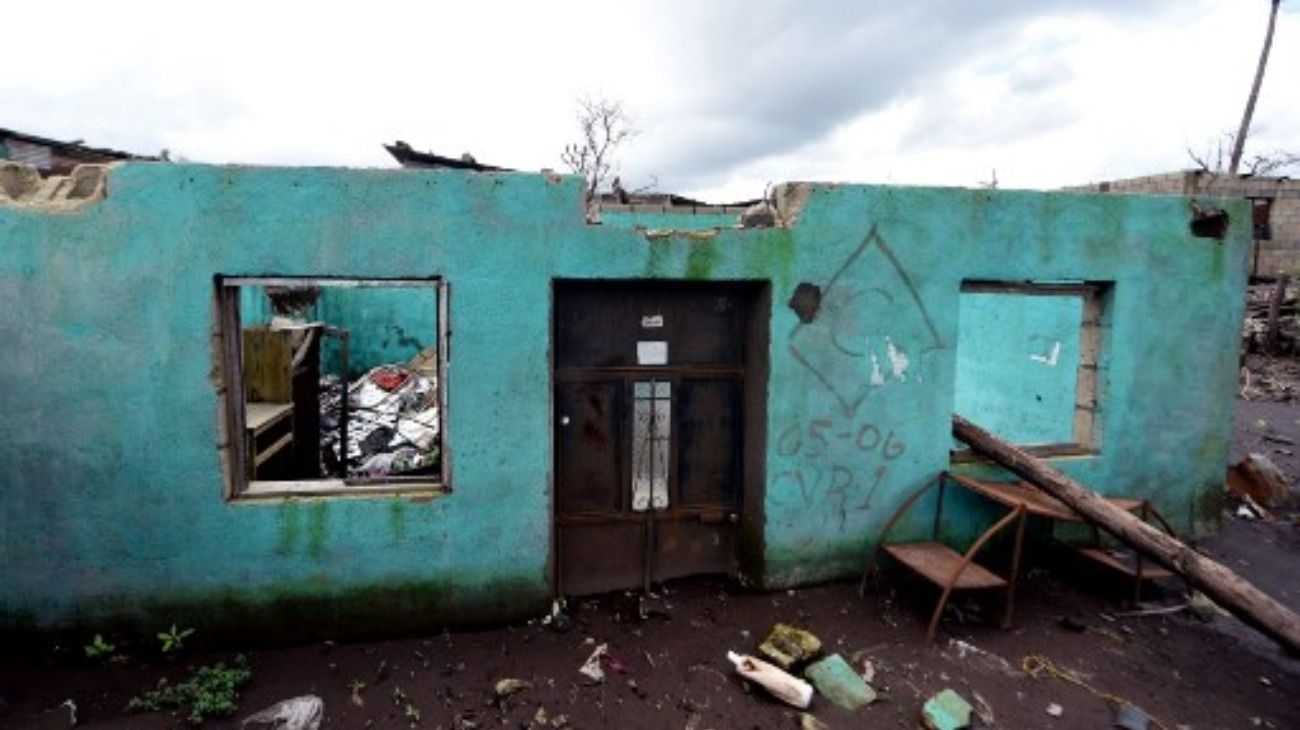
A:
(671, 648)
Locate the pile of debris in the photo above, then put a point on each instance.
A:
(1270, 370)
(789, 651)
(1258, 487)
(393, 422)
(1260, 300)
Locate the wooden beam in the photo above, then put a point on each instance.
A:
(1219, 583)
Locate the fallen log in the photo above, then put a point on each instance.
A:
(1219, 583)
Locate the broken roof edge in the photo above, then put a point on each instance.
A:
(410, 157)
(22, 187)
(77, 145)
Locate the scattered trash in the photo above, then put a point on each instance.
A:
(613, 663)
(1074, 622)
(1055, 710)
(788, 689)
(1036, 665)
(506, 687)
(357, 686)
(1128, 717)
(868, 671)
(1148, 610)
(835, 678)
(979, 656)
(557, 619)
(299, 713)
(788, 646)
(592, 667)
(946, 711)
(808, 722)
(57, 716)
(983, 710)
(653, 606)
(1258, 479)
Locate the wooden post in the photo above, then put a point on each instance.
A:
(1274, 315)
(1219, 583)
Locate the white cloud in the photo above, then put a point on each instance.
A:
(729, 96)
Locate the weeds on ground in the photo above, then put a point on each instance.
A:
(98, 648)
(212, 691)
(173, 640)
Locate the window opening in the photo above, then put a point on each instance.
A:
(334, 385)
(1028, 358)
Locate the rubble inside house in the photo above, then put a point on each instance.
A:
(1270, 376)
(393, 423)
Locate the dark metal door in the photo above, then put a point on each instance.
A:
(648, 436)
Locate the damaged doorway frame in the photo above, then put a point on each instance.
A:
(747, 551)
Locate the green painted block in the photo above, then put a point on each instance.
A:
(834, 678)
(946, 711)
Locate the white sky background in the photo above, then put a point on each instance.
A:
(728, 96)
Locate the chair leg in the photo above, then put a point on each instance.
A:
(1010, 606)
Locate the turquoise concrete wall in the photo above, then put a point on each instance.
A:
(650, 220)
(385, 325)
(1017, 364)
(110, 473)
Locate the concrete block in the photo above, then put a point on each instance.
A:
(836, 680)
(787, 646)
(946, 711)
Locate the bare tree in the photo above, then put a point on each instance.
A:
(1239, 143)
(604, 126)
(1216, 155)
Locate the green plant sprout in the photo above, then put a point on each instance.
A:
(173, 640)
(99, 648)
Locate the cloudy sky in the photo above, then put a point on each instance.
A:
(727, 96)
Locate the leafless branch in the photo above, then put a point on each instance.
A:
(1215, 158)
(603, 126)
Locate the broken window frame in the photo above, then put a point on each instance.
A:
(1095, 295)
(234, 447)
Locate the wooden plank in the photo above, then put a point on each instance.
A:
(1120, 565)
(267, 366)
(1035, 501)
(272, 450)
(937, 563)
(1225, 587)
(260, 416)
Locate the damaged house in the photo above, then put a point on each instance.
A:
(328, 402)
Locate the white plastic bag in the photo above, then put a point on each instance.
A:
(299, 713)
